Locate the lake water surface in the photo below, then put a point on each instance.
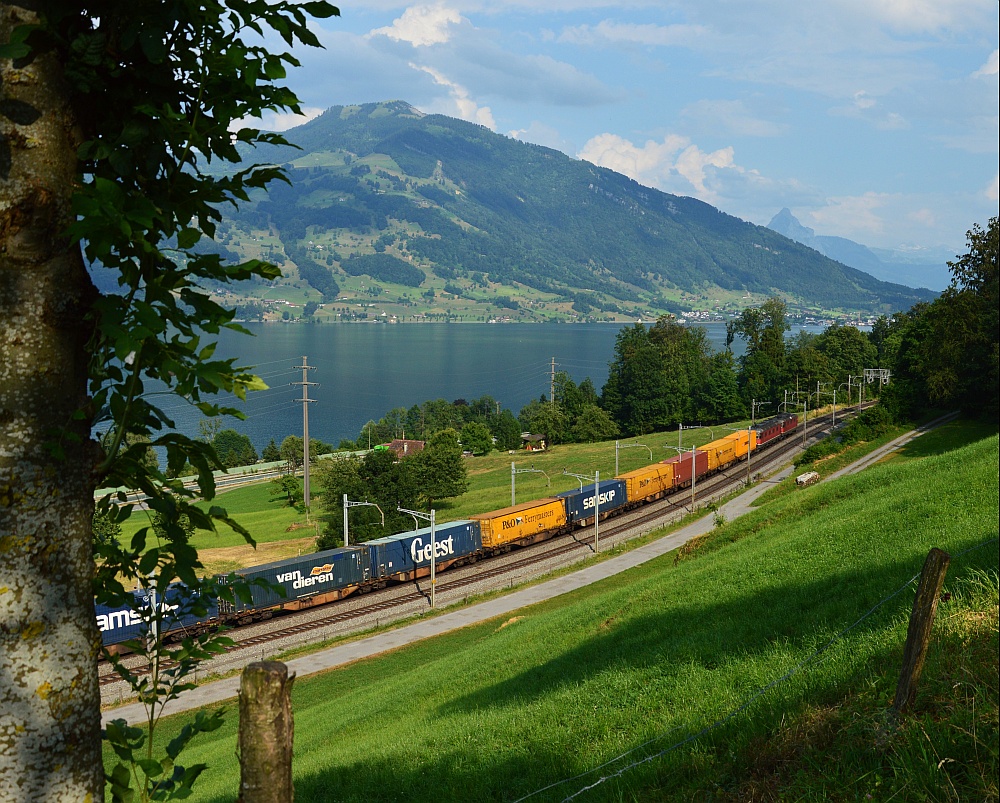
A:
(364, 370)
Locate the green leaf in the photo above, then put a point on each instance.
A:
(153, 45)
(150, 767)
(148, 562)
(187, 237)
(17, 47)
(274, 69)
(321, 10)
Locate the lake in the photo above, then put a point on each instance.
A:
(364, 370)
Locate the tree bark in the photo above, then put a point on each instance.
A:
(50, 746)
(266, 731)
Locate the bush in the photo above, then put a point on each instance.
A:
(871, 424)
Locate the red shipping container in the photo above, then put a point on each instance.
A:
(682, 467)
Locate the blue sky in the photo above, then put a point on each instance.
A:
(875, 120)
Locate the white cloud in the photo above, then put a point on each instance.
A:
(678, 166)
(542, 134)
(648, 164)
(993, 190)
(607, 32)
(673, 165)
(932, 222)
(466, 108)
(865, 107)
(422, 26)
(862, 100)
(991, 67)
(856, 215)
(892, 122)
(437, 40)
(919, 16)
(924, 217)
(730, 116)
(692, 163)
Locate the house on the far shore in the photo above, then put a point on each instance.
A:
(405, 448)
(533, 443)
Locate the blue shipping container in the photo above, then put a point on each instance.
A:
(129, 621)
(306, 576)
(580, 504)
(407, 551)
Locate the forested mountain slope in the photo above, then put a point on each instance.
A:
(417, 201)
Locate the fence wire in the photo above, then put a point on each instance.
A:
(804, 663)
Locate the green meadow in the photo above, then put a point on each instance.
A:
(758, 663)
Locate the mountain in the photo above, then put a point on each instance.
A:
(922, 268)
(387, 201)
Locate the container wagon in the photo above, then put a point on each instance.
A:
(723, 452)
(306, 580)
(682, 468)
(523, 524)
(580, 504)
(646, 484)
(406, 556)
(181, 612)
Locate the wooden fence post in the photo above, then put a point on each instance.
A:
(919, 631)
(266, 731)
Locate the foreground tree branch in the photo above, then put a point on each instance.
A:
(109, 115)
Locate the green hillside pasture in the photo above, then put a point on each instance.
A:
(253, 506)
(960, 432)
(829, 465)
(669, 658)
(945, 438)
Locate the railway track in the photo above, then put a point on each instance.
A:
(399, 601)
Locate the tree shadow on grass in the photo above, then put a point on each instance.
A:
(701, 637)
(535, 749)
(949, 437)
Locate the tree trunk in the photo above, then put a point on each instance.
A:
(50, 747)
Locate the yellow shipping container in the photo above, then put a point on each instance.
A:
(649, 482)
(529, 520)
(725, 451)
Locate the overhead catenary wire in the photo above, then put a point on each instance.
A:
(288, 405)
(224, 398)
(271, 374)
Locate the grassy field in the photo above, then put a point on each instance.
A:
(279, 530)
(756, 665)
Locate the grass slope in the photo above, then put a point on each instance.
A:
(668, 658)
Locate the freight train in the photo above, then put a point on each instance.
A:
(322, 577)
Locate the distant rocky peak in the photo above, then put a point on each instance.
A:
(786, 224)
